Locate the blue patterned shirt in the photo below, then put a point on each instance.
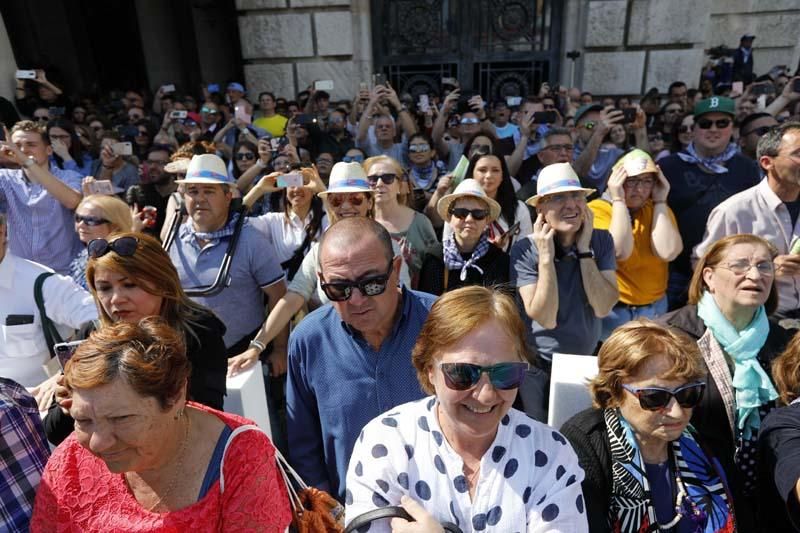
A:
(40, 228)
(337, 383)
(23, 454)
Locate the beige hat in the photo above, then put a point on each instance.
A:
(467, 188)
(554, 179)
(347, 177)
(177, 166)
(208, 169)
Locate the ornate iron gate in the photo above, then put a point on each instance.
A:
(497, 47)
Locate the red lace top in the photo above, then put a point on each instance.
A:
(78, 493)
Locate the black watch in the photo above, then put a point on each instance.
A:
(586, 255)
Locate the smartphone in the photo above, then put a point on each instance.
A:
(242, 114)
(123, 148)
(796, 85)
(544, 117)
(292, 179)
(424, 103)
(179, 114)
(363, 86)
(323, 85)
(450, 81)
(26, 75)
(101, 187)
(513, 101)
(628, 115)
(65, 350)
(304, 120)
(149, 215)
(379, 78)
(763, 88)
(169, 88)
(213, 87)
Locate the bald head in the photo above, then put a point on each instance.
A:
(347, 232)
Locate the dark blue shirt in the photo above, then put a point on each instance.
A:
(337, 383)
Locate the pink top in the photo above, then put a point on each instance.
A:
(78, 493)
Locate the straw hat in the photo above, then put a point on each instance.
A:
(471, 189)
(554, 179)
(206, 169)
(347, 177)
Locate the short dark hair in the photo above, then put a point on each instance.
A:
(674, 85)
(770, 143)
(552, 132)
(752, 117)
(266, 93)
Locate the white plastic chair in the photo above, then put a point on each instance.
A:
(246, 397)
(569, 392)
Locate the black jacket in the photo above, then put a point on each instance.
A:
(495, 265)
(209, 362)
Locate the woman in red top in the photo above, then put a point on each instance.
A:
(142, 458)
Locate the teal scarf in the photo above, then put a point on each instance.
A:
(751, 384)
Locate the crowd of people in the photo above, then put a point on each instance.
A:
(402, 270)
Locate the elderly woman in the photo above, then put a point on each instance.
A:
(464, 454)
(144, 458)
(645, 470)
(468, 257)
(96, 217)
(731, 295)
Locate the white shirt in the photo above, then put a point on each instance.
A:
(23, 349)
(529, 480)
(286, 233)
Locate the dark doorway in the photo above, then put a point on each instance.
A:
(497, 47)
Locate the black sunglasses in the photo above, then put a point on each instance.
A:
(245, 156)
(90, 221)
(705, 123)
(464, 376)
(758, 131)
(387, 179)
(655, 398)
(462, 212)
(123, 246)
(340, 291)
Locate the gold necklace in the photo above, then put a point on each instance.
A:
(177, 468)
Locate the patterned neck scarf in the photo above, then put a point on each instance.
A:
(423, 177)
(454, 260)
(713, 163)
(631, 508)
(211, 237)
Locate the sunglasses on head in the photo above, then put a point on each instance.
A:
(340, 291)
(387, 179)
(245, 156)
(338, 199)
(353, 158)
(706, 123)
(90, 221)
(655, 398)
(123, 246)
(464, 376)
(462, 212)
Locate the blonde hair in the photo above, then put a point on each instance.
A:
(786, 371)
(114, 210)
(405, 185)
(455, 314)
(630, 346)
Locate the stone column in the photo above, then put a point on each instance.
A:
(8, 66)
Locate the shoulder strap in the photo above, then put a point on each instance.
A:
(51, 335)
(390, 512)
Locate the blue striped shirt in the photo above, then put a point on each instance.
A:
(40, 228)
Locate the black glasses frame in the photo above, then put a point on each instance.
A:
(341, 291)
(122, 246)
(655, 398)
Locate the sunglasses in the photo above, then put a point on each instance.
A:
(338, 199)
(352, 158)
(340, 291)
(416, 148)
(464, 376)
(589, 124)
(90, 221)
(124, 246)
(655, 398)
(706, 123)
(208, 111)
(462, 212)
(245, 156)
(387, 179)
(470, 120)
(758, 131)
(634, 183)
(684, 129)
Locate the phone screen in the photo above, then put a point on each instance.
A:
(65, 351)
(544, 117)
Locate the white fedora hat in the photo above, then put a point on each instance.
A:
(206, 169)
(554, 179)
(347, 177)
(468, 188)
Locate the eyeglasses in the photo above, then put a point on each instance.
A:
(655, 398)
(634, 183)
(743, 266)
(416, 148)
(470, 120)
(589, 124)
(706, 123)
(656, 137)
(340, 291)
(560, 147)
(245, 156)
(123, 246)
(353, 158)
(90, 221)
(208, 111)
(353, 199)
(462, 212)
(387, 179)
(464, 376)
(758, 131)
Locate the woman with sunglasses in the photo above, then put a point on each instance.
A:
(680, 137)
(464, 455)
(646, 468)
(731, 296)
(411, 230)
(97, 217)
(356, 155)
(131, 277)
(68, 152)
(424, 169)
(467, 257)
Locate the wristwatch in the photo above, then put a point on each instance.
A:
(585, 255)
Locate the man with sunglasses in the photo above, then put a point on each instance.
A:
(706, 173)
(770, 210)
(751, 128)
(594, 158)
(351, 360)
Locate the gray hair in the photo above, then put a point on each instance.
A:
(770, 143)
(553, 132)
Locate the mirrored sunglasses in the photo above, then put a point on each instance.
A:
(90, 221)
(416, 148)
(355, 199)
(464, 376)
(353, 158)
(340, 291)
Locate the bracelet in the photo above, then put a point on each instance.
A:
(257, 344)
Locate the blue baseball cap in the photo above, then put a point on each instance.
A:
(236, 86)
